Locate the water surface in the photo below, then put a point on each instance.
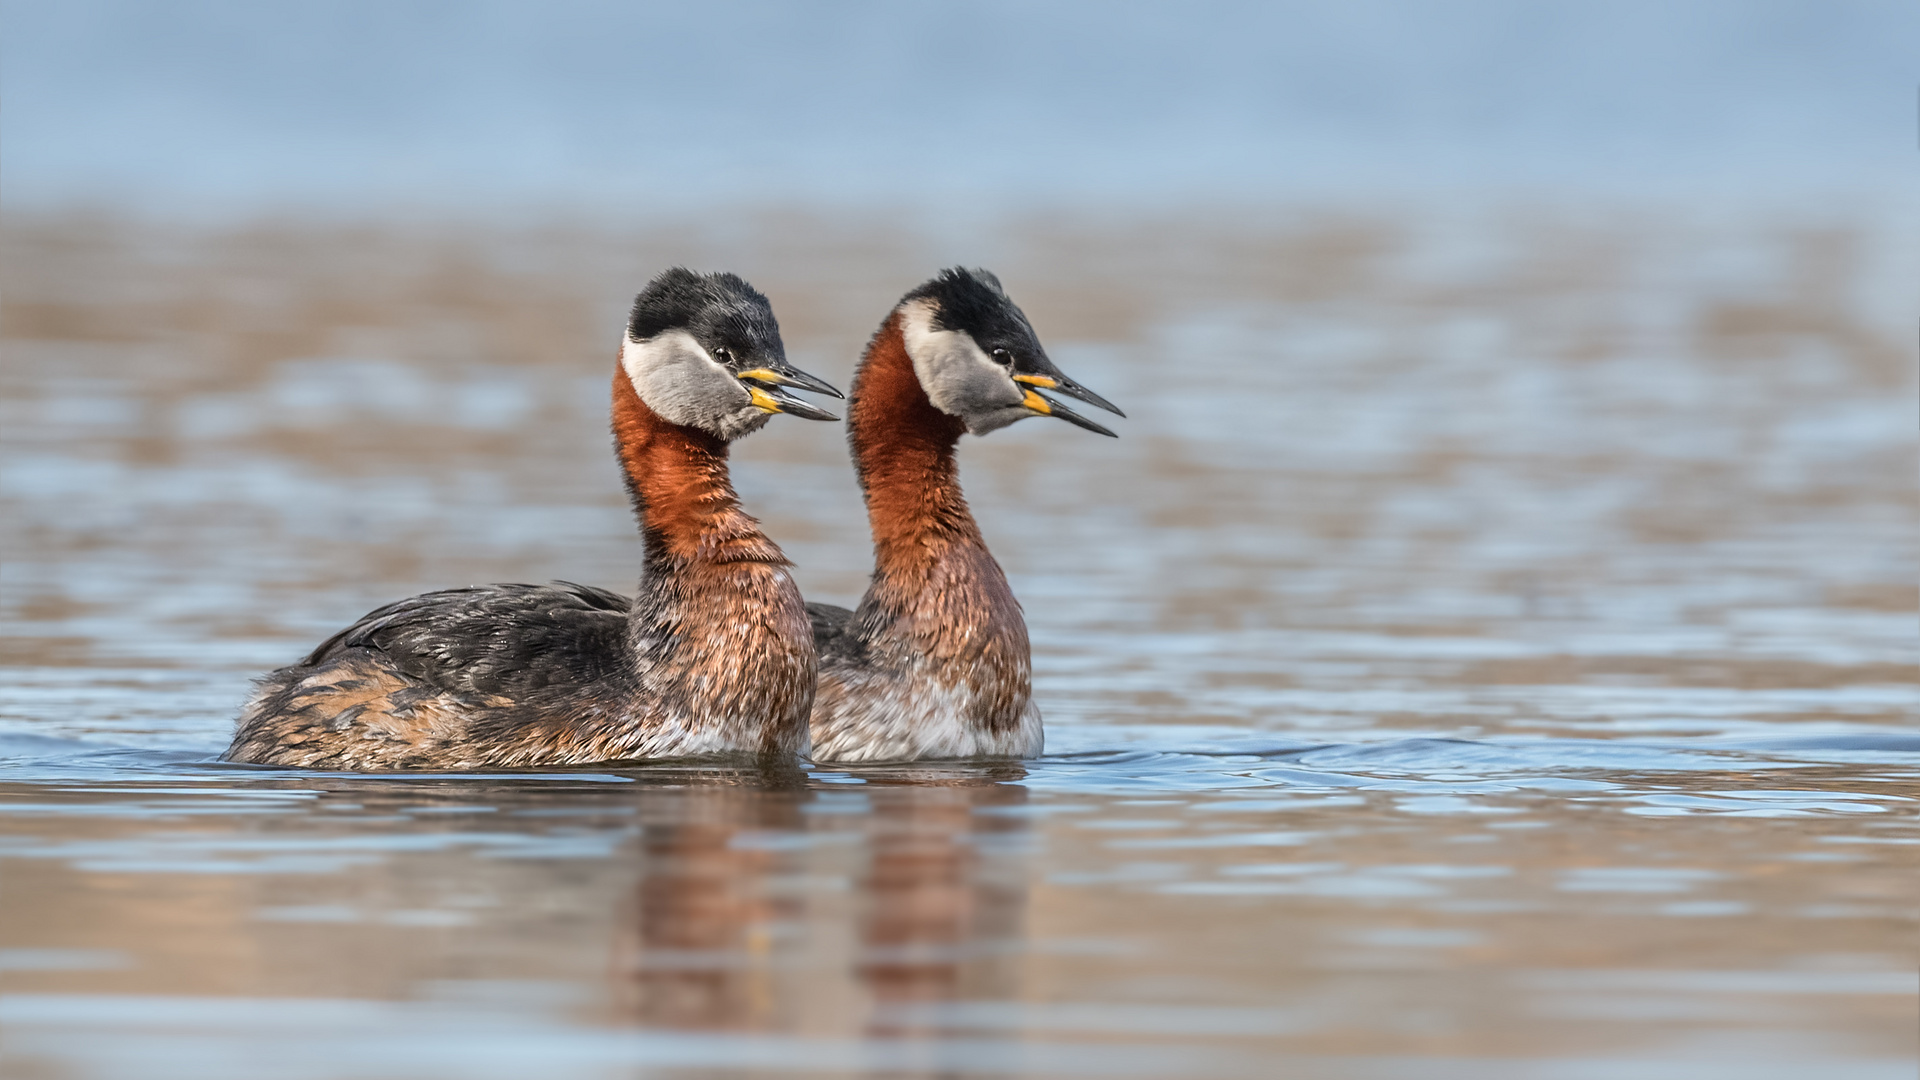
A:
(1488, 652)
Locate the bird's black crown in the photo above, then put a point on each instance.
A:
(721, 311)
(972, 301)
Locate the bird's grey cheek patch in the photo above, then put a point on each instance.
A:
(678, 380)
(981, 423)
(958, 376)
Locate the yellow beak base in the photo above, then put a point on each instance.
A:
(764, 401)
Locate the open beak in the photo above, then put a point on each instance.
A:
(1053, 379)
(1042, 405)
(766, 384)
(783, 375)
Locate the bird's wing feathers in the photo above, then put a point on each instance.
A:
(833, 632)
(495, 639)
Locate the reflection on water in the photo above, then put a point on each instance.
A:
(1162, 917)
(703, 937)
(1488, 652)
(943, 916)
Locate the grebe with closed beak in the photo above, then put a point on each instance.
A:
(934, 663)
(715, 654)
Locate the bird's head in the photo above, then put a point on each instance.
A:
(978, 358)
(704, 351)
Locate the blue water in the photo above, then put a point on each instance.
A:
(1487, 652)
(694, 917)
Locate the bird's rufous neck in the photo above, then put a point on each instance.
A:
(678, 478)
(937, 592)
(903, 451)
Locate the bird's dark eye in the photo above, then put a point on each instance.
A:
(723, 354)
(1003, 357)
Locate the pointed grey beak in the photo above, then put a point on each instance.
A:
(1046, 406)
(1057, 382)
(765, 384)
(1052, 378)
(773, 399)
(786, 375)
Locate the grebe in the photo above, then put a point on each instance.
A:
(715, 653)
(935, 663)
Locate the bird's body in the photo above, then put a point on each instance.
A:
(934, 662)
(714, 654)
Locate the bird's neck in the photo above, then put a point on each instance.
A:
(936, 589)
(677, 478)
(718, 635)
(903, 452)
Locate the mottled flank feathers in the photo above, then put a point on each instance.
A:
(459, 678)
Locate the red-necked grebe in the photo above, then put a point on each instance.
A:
(934, 663)
(714, 654)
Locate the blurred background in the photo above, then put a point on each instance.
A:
(297, 237)
(1490, 638)
(631, 110)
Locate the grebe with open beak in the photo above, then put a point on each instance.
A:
(934, 663)
(715, 654)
